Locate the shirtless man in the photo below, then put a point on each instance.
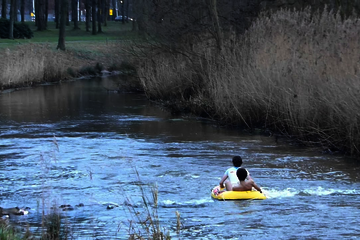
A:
(230, 179)
(242, 173)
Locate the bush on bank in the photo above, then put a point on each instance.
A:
(293, 72)
(21, 30)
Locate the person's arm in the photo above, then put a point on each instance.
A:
(256, 186)
(222, 181)
(248, 176)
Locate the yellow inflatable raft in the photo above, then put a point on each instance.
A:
(218, 194)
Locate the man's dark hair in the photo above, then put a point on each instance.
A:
(241, 173)
(237, 161)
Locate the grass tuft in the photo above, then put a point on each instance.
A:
(146, 224)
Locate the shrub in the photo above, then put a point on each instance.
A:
(21, 30)
(71, 72)
(4, 28)
(86, 71)
(99, 67)
(7, 232)
(127, 68)
(114, 67)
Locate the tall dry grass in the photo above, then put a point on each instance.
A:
(34, 63)
(29, 64)
(145, 223)
(294, 72)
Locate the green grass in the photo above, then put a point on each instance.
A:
(113, 31)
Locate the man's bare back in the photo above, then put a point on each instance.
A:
(245, 185)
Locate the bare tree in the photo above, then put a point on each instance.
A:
(122, 12)
(79, 11)
(3, 8)
(67, 16)
(57, 13)
(15, 15)
(22, 10)
(126, 5)
(46, 12)
(141, 9)
(99, 15)
(135, 14)
(11, 27)
(105, 11)
(74, 14)
(93, 16)
(41, 15)
(88, 15)
(114, 13)
(63, 15)
(36, 12)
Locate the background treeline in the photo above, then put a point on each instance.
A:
(289, 71)
(95, 13)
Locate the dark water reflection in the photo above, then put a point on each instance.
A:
(77, 143)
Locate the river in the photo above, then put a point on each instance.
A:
(75, 142)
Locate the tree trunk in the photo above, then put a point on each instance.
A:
(41, 15)
(63, 15)
(67, 16)
(126, 4)
(122, 12)
(57, 13)
(37, 12)
(15, 15)
(3, 8)
(142, 12)
(46, 12)
(22, 10)
(135, 26)
(74, 14)
(79, 11)
(11, 27)
(93, 16)
(105, 11)
(99, 15)
(88, 15)
(113, 4)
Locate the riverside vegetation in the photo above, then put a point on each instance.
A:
(293, 72)
(28, 62)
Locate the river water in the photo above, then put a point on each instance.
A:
(75, 142)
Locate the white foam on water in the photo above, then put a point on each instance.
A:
(190, 202)
(168, 202)
(319, 191)
(276, 193)
(315, 191)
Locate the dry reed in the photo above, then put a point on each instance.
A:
(294, 72)
(145, 223)
(31, 64)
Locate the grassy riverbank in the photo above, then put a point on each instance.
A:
(27, 62)
(292, 73)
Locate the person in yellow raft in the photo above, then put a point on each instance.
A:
(230, 179)
(242, 173)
